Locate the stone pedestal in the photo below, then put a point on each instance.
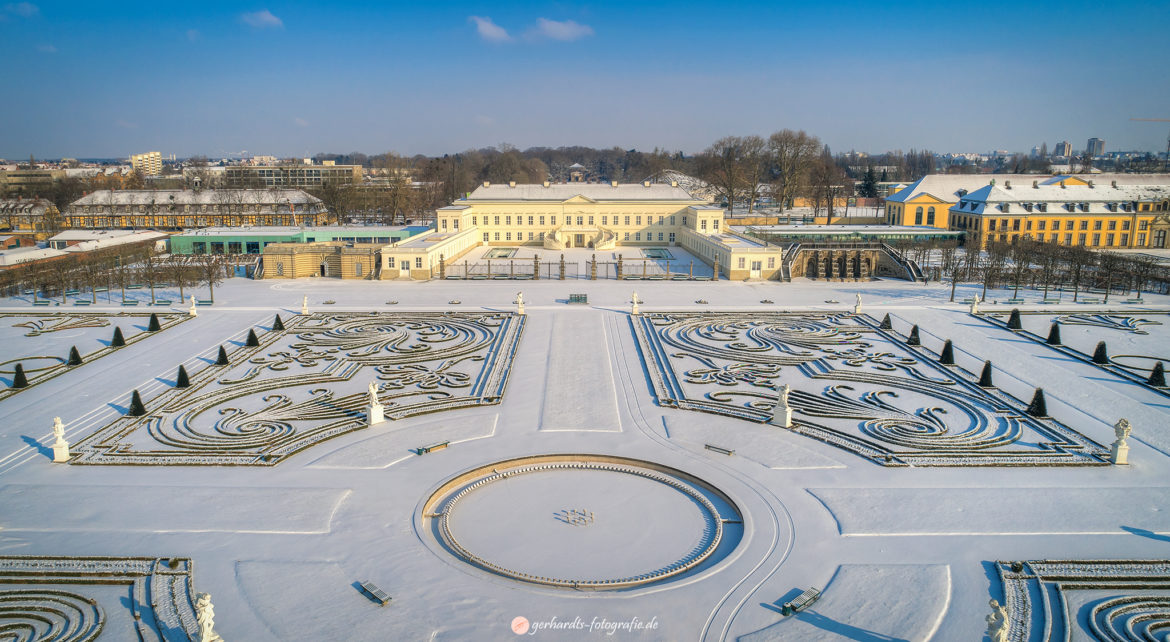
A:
(1119, 453)
(375, 414)
(192, 311)
(305, 305)
(782, 417)
(61, 451)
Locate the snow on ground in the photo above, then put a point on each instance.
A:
(900, 552)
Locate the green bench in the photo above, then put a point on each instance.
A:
(578, 298)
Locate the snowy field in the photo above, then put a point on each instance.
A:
(899, 490)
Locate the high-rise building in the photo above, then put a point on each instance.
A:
(148, 164)
(1095, 147)
(1063, 148)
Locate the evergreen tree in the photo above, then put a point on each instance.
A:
(869, 182)
(1038, 407)
(914, 339)
(182, 381)
(886, 323)
(985, 376)
(1054, 334)
(1014, 320)
(947, 358)
(19, 380)
(278, 324)
(1101, 354)
(222, 359)
(136, 407)
(118, 341)
(253, 341)
(74, 357)
(154, 325)
(1157, 376)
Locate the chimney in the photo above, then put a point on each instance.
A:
(645, 183)
(1114, 183)
(487, 184)
(613, 183)
(1007, 184)
(511, 183)
(1035, 184)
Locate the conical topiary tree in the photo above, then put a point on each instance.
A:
(154, 325)
(1014, 320)
(118, 341)
(886, 323)
(1038, 407)
(221, 359)
(19, 380)
(1054, 334)
(985, 376)
(913, 339)
(253, 340)
(278, 324)
(947, 358)
(74, 357)
(1101, 354)
(1157, 376)
(136, 407)
(182, 381)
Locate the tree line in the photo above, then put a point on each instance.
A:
(112, 270)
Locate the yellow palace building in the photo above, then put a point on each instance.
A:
(600, 216)
(1068, 210)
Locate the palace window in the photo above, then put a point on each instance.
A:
(1068, 239)
(542, 220)
(740, 263)
(1084, 225)
(660, 236)
(357, 269)
(418, 262)
(627, 220)
(918, 215)
(507, 236)
(771, 262)
(1109, 240)
(1096, 240)
(1125, 240)
(507, 220)
(280, 268)
(637, 220)
(497, 235)
(1096, 225)
(1039, 224)
(672, 237)
(626, 237)
(485, 237)
(591, 220)
(637, 236)
(1113, 225)
(930, 216)
(552, 220)
(497, 220)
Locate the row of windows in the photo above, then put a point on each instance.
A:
(184, 221)
(418, 263)
(581, 220)
(967, 223)
(167, 208)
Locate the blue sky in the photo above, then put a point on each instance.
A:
(108, 79)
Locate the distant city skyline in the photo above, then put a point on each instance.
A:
(300, 78)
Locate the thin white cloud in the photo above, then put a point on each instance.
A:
(50, 49)
(192, 34)
(262, 19)
(22, 9)
(563, 30)
(489, 30)
(301, 122)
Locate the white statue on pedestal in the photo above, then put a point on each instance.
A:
(997, 625)
(782, 412)
(975, 305)
(192, 311)
(634, 311)
(205, 616)
(375, 412)
(857, 304)
(60, 446)
(1119, 454)
(305, 305)
(520, 303)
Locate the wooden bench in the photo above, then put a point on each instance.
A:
(1135, 300)
(1015, 300)
(578, 298)
(378, 595)
(134, 287)
(802, 601)
(129, 303)
(719, 449)
(210, 302)
(42, 302)
(1050, 301)
(72, 292)
(82, 302)
(1089, 301)
(422, 450)
(162, 302)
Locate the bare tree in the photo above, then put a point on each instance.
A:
(148, 259)
(211, 271)
(723, 166)
(178, 270)
(993, 263)
(793, 154)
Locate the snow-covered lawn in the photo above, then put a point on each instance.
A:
(900, 552)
